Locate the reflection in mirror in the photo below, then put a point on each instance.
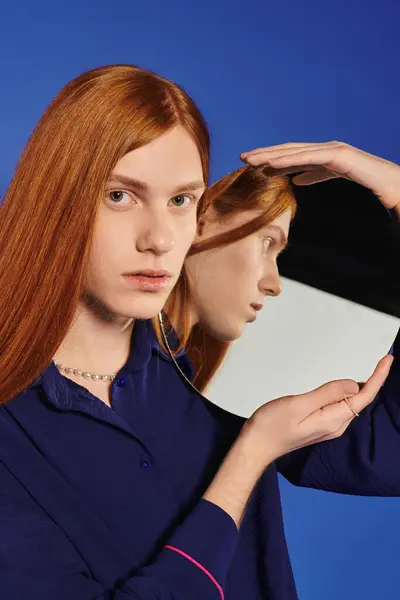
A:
(231, 267)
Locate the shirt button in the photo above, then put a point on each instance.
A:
(144, 465)
(121, 382)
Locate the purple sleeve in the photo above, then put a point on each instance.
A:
(37, 560)
(365, 460)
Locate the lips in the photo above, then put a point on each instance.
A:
(150, 273)
(256, 307)
(148, 280)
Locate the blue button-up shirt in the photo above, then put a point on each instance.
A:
(106, 503)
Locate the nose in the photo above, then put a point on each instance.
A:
(270, 284)
(156, 234)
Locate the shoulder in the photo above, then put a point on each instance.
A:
(16, 451)
(17, 447)
(230, 424)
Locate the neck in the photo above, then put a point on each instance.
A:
(193, 317)
(97, 340)
(177, 323)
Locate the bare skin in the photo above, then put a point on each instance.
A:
(136, 228)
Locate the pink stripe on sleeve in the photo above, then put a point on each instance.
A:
(215, 582)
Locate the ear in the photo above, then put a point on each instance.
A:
(205, 224)
(200, 226)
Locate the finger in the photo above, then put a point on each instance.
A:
(286, 146)
(292, 146)
(327, 423)
(294, 158)
(329, 393)
(272, 172)
(332, 416)
(268, 154)
(317, 175)
(329, 419)
(373, 384)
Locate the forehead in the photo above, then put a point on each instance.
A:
(237, 220)
(283, 221)
(167, 161)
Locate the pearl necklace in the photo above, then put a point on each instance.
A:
(85, 374)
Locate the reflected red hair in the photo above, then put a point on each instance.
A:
(48, 212)
(246, 189)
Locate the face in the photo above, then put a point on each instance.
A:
(225, 282)
(145, 226)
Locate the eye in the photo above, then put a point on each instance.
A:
(180, 200)
(116, 196)
(268, 242)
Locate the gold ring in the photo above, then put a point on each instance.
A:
(355, 413)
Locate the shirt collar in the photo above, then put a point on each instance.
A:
(144, 344)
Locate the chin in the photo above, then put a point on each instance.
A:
(148, 312)
(233, 335)
(224, 333)
(144, 308)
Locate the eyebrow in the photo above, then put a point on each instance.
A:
(141, 186)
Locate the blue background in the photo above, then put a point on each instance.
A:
(262, 73)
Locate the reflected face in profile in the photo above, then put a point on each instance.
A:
(229, 284)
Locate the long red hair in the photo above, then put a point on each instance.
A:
(246, 189)
(48, 212)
